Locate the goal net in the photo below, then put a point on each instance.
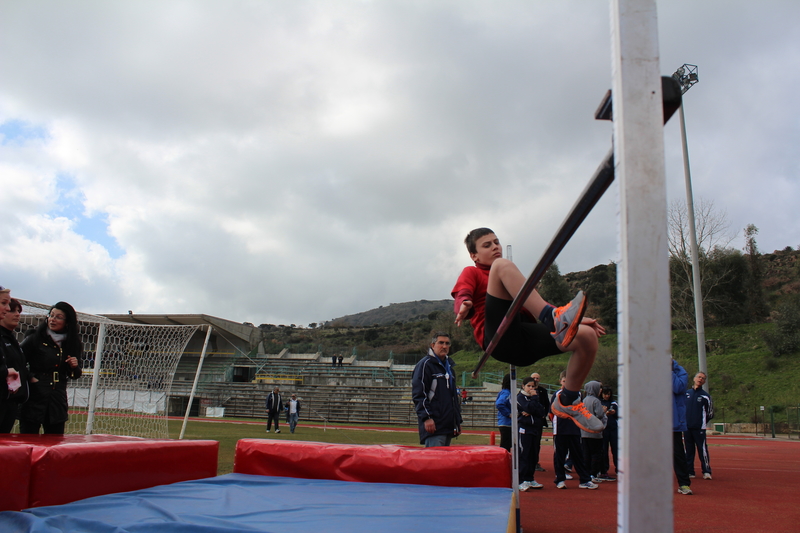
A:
(127, 373)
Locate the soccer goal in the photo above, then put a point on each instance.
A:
(127, 373)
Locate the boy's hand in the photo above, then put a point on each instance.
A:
(595, 325)
(463, 311)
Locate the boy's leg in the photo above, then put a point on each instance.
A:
(577, 458)
(506, 281)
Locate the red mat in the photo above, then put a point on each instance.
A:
(755, 489)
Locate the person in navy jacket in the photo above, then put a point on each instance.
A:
(699, 410)
(435, 396)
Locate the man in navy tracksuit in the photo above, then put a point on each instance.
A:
(433, 390)
(699, 410)
(530, 412)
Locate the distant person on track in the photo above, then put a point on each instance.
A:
(484, 293)
(680, 379)
(699, 410)
(292, 412)
(274, 407)
(433, 390)
(54, 353)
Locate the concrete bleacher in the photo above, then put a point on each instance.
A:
(368, 392)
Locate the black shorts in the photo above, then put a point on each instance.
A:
(524, 342)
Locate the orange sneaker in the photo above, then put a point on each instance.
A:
(567, 319)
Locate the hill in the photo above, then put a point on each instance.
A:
(393, 313)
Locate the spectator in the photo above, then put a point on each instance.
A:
(679, 381)
(433, 390)
(611, 433)
(567, 441)
(15, 362)
(54, 353)
(340, 359)
(503, 406)
(292, 412)
(274, 406)
(592, 443)
(541, 393)
(529, 411)
(699, 410)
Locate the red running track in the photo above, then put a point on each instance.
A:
(756, 488)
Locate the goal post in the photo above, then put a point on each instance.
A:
(127, 373)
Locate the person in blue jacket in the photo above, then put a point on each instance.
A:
(503, 405)
(699, 410)
(680, 378)
(435, 395)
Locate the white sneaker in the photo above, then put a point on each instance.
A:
(536, 485)
(707, 475)
(525, 486)
(277, 431)
(588, 485)
(569, 476)
(561, 485)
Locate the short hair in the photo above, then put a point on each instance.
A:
(437, 335)
(473, 236)
(606, 390)
(698, 373)
(527, 380)
(506, 384)
(562, 375)
(15, 305)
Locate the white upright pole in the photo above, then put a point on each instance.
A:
(512, 398)
(644, 500)
(98, 360)
(196, 379)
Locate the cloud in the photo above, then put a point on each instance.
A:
(294, 162)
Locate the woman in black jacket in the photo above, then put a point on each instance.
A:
(54, 354)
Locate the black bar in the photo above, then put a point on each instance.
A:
(602, 179)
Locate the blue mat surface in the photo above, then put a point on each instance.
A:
(246, 503)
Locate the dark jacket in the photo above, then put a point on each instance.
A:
(434, 393)
(273, 403)
(533, 406)
(699, 408)
(11, 356)
(47, 363)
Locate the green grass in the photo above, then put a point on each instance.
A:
(228, 433)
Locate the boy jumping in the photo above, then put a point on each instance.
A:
(483, 294)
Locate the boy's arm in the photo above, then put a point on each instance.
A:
(463, 294)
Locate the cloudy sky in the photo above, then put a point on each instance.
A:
(292, 162)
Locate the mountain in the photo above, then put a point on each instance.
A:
(393, 313)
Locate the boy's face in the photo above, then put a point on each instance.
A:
(488, 249)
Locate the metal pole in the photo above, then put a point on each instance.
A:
(196, 379)
(696, 280)
(512, 397)
(98, 360)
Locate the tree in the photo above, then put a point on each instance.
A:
(754, 288)
(717, 264)
(554, 288)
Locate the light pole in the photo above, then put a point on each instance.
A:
(687, 76)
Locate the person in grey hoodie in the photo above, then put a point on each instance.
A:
(592, 443)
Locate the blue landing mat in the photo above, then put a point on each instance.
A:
(246, 503)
